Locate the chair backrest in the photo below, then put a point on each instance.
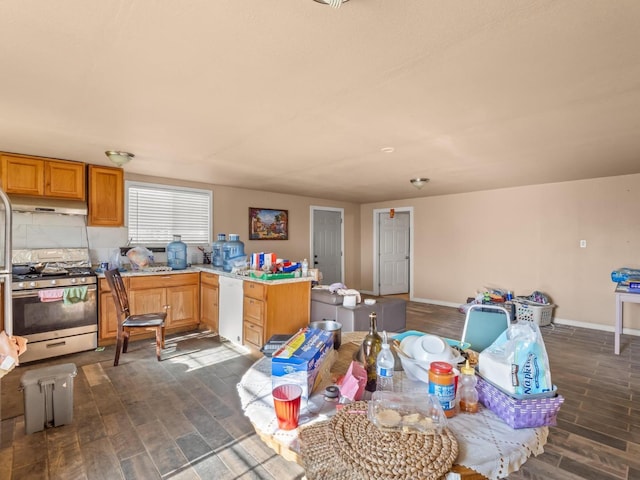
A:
(119, 293)
(483, 324)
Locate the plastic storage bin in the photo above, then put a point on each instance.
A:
(520, 412)
(48, 396)
(537, 313)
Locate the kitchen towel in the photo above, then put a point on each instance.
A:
(51, 294)
(75, 295)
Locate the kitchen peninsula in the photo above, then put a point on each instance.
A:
(243, 309)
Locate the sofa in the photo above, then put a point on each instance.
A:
(391, 313)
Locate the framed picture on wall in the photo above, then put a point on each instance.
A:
(268, 224)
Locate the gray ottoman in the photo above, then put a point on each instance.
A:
(391, 312)
(391, 316)
(324, 305)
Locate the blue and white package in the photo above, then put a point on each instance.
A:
(517, 361)
(625, 274)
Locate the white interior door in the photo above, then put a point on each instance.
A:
(394, 255)
(327, 242)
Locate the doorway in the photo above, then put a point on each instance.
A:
(393, 251)
(327, 243)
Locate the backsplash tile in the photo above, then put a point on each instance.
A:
(45, 230)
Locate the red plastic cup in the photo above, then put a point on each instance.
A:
(286, 399)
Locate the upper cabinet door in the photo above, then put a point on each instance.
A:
(22, 175)
(64, 180)
(106, 197)
(25, 175)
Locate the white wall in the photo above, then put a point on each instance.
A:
(526, 239)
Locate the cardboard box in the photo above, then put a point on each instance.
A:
(302, 359)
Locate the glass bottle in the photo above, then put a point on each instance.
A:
(468, 392)
(371, 346)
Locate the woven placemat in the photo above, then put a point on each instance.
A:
(350, 447)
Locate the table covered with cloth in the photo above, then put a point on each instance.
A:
(486, 444)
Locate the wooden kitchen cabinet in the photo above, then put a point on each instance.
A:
(35, 176)
(64, 180)
(209, 301)
(177, 294)
(274, 309)
(106, 197)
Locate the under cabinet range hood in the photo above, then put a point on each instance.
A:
(21, 203)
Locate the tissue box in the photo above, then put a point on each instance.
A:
(301, 359)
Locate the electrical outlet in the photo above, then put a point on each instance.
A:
(583, 244)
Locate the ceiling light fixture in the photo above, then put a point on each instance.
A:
(387, 149)
(419, 182)
(333, 3)
(119, 158)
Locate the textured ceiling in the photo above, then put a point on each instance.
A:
(295, 96)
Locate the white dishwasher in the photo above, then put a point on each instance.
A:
(230, 308)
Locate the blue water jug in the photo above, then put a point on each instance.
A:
(232, 250)
(177, 254)
(217, 258)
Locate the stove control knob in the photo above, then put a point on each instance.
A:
(73, 280)
(53, 282)
(32, 284)
(83, 280)
(21, 285)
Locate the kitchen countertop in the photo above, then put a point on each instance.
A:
(209, 269)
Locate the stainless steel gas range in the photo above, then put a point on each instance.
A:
(56, 307)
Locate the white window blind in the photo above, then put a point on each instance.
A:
(155, 213)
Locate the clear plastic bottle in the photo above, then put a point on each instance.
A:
(468, 392)
(385, 365)
(305, 268)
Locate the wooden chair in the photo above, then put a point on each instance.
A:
(483, 324)
(127, 322)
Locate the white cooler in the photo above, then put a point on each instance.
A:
(48, 396)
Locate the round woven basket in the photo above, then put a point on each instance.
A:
(349, 446)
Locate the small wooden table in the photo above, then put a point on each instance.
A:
(622, 295)
(285, 443)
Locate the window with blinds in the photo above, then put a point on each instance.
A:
(155, 213)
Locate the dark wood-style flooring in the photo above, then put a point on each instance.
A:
(181, 418)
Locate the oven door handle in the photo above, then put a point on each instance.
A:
(34, 292)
